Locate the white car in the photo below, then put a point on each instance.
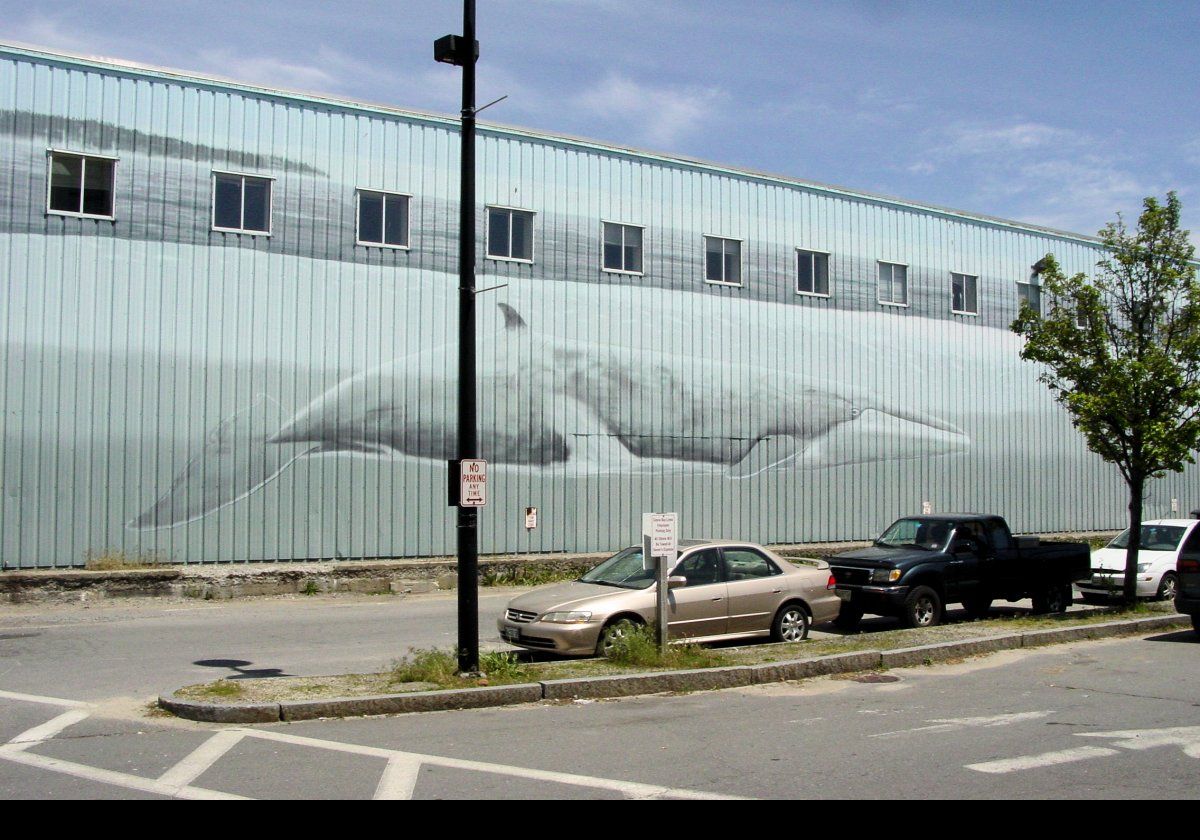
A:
(1158, 551)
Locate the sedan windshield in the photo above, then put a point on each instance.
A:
(1154, 538)
(930, 534)
(623, 569)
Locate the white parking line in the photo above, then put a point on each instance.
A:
(950, 724)
(46, 701)
(200, 759)
(632, 790)
(399, 778)
(50, 728)
(14, 753)
(1047, 759)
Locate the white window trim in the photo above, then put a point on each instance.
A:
(954, 311)
(608, 270)
(358, 240)
(270, 207)
(487, 236)
(50, 153)
(828, 277)
(741, 267)
(904, 305)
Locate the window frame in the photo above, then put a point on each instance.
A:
(704, 237)
(50, 153)
(358, 240)
(623, 225)
(906, 304)
(972, 313)
(1029, 284)
(487, 243)
(243, 230)
(828, 281)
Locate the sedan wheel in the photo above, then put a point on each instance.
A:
(612, 635)
(1168, 587)
(790, 625)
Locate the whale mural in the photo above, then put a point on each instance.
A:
(562, 401)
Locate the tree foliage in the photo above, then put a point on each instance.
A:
(1121, 351)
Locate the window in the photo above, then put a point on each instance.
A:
(241, 203)
(622, 248)
(1030, 293)
(812, 273)
(701, 568)
(744, 564)
(893, 284)
(80, 185)
(510, 234)
(722, 260)
(382, 219)
(964, 294)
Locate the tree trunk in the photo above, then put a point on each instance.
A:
(1137, 486)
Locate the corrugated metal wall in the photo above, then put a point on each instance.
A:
(150, 355)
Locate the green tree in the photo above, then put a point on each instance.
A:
(1122, 352)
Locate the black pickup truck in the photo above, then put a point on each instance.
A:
(922, 563)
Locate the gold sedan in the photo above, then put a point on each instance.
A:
(718, 590)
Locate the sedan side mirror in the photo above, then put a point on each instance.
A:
(675, 581)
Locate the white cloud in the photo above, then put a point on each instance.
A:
(1044, 174)
(660, 115)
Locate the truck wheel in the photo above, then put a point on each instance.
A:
(848, 618)
(790, 624)
(1168, 587)
(922, 608)
(1056, 599)
(978, 607)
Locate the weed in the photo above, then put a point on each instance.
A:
(110, 560)
(426, 665)
(310, 588)
(525, 575)
(639, 648)
(502, 667)
(225, 689)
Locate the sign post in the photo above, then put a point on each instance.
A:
(660, 546)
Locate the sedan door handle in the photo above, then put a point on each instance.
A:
(776, 591)
(718, 598)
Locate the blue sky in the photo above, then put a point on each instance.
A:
(1056, 113)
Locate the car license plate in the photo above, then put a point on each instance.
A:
(511, 634)
(844, 594)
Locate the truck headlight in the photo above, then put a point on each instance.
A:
(885, 575)
(567, 617)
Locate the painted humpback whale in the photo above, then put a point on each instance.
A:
(602, 408)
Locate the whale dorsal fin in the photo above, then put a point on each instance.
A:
(512, 318)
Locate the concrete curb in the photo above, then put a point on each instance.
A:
(629, 685)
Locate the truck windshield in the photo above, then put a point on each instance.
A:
(623, 569)
(929, 534)
(1154, 538)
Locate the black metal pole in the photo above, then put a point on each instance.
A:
(468, 444)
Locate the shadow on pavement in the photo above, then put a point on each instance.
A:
(238, 666)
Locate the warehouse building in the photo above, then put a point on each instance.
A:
(228, 321)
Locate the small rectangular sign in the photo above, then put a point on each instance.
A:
(530, 518)
(473, 487)
(662, 531)
(926, 508)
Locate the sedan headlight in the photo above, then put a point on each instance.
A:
(885, 575)
(567, 617)
(1143, 567)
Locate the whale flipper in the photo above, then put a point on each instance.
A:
(234, 461)
(512, 318)
(767, 454)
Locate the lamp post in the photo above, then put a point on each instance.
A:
(463, 51)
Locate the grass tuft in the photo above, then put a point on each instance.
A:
(639, 649)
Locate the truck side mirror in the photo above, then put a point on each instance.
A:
(966, 547)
